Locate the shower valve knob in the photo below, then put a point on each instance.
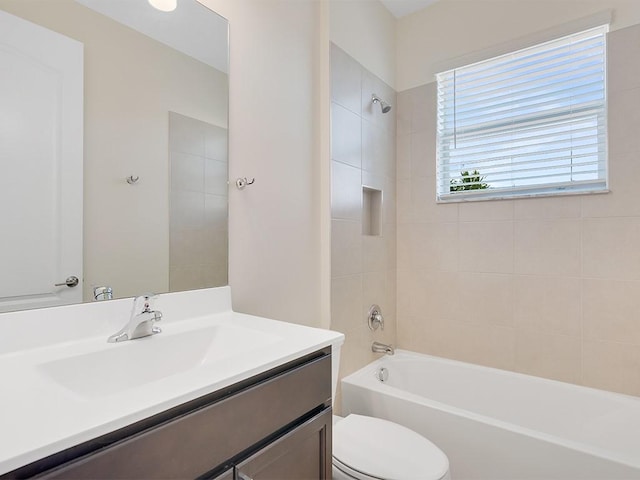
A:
(375, 319)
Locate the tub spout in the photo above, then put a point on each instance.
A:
(378, 347)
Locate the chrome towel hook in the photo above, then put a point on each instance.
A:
(243, 182)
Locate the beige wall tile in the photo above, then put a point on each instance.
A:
(548, 247)
(415, 334)
(548, 304)
(346, 78)
(216, 211)
(186, 247)
(403, 112)
(215, 277)
(486, 211)
(424, 207)
(552, 356)
(610, 248)
(346, 192)
(186, 278)
(433, 246)
(548, 208)
(391, 240)
(374, 254)
(623, 123)
(434, 295)
(186, 210)
(346, 248)
(623, 52)
(389, 207)
(424, 103)
(491, 345)
(375, 146)
(486, 247)
(611, 366)
(404, 257)
(346, 303)
(216, 143)
(187, 172)
(216, 177)
(404, 210)
(621, 201)
(485, 299)
(186, 135)
(346, 138)
(215, 247)
(610, 308)
(403, 156)
(423, 153)
(404, 286)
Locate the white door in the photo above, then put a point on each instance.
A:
(41, 102)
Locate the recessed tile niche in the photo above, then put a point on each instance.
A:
(371, 211)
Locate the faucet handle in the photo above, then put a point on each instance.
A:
(146, 297)
(375, 318)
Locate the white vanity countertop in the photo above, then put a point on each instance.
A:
(59, 395)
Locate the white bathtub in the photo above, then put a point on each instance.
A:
(494, 424)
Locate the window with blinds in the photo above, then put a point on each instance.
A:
(532, 122)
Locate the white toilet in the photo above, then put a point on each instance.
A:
(368, 448)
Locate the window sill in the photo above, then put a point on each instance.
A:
(463, 198)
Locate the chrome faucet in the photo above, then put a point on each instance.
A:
(140, 324)
(378, 347)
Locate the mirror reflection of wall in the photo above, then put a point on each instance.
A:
(198, 204)
(131, 83)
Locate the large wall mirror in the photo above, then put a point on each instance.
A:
(113, 149)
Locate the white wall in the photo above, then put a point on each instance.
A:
(366, 30)
(276, 260)
(450, 29)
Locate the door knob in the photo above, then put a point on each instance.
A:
(70, 282)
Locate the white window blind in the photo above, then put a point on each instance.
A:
(527, 123)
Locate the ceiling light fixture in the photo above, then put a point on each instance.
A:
(164, 5)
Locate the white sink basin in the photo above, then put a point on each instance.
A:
(121, 366)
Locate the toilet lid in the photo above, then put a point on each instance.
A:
(382, 449)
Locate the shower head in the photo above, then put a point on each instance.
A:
(383, 105)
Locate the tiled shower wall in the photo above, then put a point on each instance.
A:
(544, 286)
(363, 267)
(198, 201)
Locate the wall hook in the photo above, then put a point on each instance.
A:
(132, 180)
(243, 182)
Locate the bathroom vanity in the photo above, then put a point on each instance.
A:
(217, 395)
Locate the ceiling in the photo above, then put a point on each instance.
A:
(400, 8)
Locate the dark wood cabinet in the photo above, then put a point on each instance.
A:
(302, 454)
(276, 425)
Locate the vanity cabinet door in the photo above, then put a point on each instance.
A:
(302, 454)
(228, 475)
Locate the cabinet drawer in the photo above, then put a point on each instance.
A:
(304, 453)
(198, 442)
